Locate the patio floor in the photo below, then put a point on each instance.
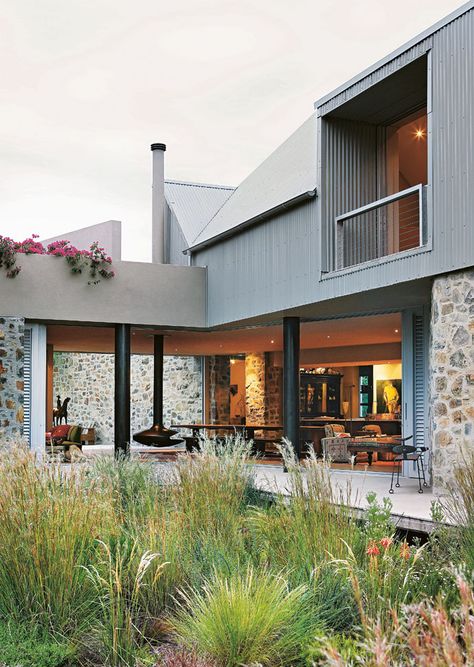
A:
(411, 510)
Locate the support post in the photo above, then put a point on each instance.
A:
(157, 435)
(158, 379)
(122, 390)
(291, 381)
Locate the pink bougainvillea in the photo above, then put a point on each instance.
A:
(95, 260)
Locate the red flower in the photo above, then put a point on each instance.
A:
(385, 542)
(372, 549)
(405, 551)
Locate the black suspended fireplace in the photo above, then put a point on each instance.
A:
(157, 435)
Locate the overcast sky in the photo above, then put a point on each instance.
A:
(87, 85)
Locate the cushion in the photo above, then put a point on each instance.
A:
(74, 433)
(60, 431)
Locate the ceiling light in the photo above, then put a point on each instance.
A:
(232, 361)
(272, 341)
(329, 336)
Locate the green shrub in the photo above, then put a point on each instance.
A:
(249, 618)
(20, 647)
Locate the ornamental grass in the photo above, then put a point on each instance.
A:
(132, 564)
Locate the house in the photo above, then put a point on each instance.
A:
(336, 281)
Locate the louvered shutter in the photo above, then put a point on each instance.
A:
(420, 381)
(27, 385)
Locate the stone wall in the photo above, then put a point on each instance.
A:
(12, 331)
(451, 373)
(273, 393)
(255, 388)
(219, 389)
(89, 380)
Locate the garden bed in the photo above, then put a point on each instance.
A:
(106, 565)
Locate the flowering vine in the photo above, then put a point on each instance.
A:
(95, 260)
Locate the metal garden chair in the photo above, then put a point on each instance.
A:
(405, 452)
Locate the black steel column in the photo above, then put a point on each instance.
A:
(291, 381)
(158, 379)
(157, 435)
(122, 390)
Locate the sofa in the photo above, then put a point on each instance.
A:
(65, 439)
(335, 446)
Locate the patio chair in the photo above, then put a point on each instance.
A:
(335, 450)
(405, 452)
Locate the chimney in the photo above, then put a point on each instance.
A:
(158, 204)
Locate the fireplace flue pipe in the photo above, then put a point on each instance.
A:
(157, 435)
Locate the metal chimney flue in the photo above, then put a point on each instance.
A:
(158, 203)
(157, 435)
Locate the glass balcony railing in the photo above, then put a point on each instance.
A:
(388, 226)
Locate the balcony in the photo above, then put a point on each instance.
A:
(391, 225)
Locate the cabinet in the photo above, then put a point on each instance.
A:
(320, 395)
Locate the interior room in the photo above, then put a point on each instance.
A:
(350, 377)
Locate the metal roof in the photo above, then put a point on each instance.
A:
(194, 204)
(463, 9)
(287, 175)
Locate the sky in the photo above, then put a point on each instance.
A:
(87, 85)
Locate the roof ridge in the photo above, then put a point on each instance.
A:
(200, 185)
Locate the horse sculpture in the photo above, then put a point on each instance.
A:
(60, 411)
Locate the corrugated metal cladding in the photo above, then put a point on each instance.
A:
(194, 204)
(453, 144)
(190, 206)
(373, 78)
(176, 242)
(349, 179)
(271, 264)
(277, 265)
(288, 172)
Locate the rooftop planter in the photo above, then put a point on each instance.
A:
(94, 262)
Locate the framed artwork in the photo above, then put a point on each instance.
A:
(389, 396)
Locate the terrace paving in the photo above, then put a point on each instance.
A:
(411, 510)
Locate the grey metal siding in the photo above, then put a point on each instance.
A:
(349, 179)
(176, 242)
(269, 266)
(453, 144)
(277, 265)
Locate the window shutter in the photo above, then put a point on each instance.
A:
(27, 386)
(420, 384)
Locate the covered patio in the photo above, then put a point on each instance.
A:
(295, 379)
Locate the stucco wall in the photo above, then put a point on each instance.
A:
(11, 377)
(451, 373)
(140, 293)
(89, 380)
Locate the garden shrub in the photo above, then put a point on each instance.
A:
(22, 647)
(247, 618)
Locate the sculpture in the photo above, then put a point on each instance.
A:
(60, 412)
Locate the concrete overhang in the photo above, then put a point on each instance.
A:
(142, 294)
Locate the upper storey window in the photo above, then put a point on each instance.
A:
(375, 169)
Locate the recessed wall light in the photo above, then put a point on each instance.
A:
(272, 341)
(396, 330)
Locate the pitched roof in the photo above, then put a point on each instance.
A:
(194, 204)
(287, 174)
